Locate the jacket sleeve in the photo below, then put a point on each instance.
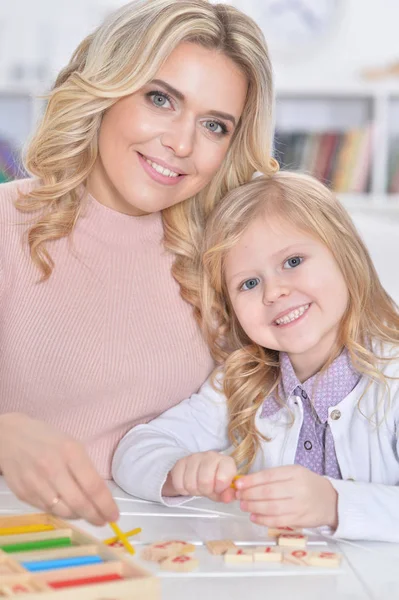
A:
(148, 452)
(367, 511)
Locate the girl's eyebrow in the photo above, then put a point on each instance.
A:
(181, 97)
(291, 247)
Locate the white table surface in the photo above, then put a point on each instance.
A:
(368, 571)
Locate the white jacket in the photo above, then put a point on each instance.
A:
(368, 455)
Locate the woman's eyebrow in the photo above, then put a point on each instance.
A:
(169, 88)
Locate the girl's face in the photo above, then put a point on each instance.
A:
(287, 292)
(164, 143)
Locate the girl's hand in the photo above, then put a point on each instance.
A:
(52, 471)
(289, 496)
(202, 474)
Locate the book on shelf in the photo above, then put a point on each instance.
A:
(341, 160)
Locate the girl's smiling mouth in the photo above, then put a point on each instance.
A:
(292, 315)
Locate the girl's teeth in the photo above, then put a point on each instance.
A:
(161, 170)
(293, 315)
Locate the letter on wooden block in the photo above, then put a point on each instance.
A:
(238, 556)
(267, 554)
(181, 563)
(297, 557)
(277, 531)
(325, 559)
(161, 550)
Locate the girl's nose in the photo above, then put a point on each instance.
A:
(274, 290)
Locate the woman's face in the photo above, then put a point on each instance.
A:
(164, 143)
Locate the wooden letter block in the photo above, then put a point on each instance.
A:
(161, 550)
(182, 563)
(297, 557)
(17, 588)
(324, 559)
(277, 531)
(267, 554)
(238, 556)
(293, 539)
(218, 547)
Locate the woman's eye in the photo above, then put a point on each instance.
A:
(216, 127)
(159, 99)
(250, 284)
(293, 262)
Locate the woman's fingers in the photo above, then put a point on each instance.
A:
(92, 486)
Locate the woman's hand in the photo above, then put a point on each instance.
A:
(52, 471)
(202, 474)
(289, 496)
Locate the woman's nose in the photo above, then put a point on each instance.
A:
(180, 137)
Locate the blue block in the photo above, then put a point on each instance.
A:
(61, 563)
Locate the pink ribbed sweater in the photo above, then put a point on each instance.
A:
(104, 344)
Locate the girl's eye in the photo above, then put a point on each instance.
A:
(216, 127)
(250, 284)
(293, 262)
(160, 99)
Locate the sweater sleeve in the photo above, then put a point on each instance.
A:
(148, 452)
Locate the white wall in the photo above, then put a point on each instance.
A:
(365, 35)
(47, 31)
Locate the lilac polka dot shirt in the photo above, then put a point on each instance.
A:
(316, 449)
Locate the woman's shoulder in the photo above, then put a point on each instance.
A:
(9, 193)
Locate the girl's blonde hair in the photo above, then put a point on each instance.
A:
(116, 60)
(252, 372)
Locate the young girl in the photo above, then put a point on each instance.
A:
(306, 402)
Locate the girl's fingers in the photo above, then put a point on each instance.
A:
(288, 520)
(227, 496)
(206, 477)
(273, 508)
(265, 477)
(191, 475)
(225, 473)
(177, 476)
(271, 491)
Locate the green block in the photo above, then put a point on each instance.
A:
(37, 545)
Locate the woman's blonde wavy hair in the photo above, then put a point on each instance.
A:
(116, 60)
(250, 371)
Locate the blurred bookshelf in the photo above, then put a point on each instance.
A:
(347, 135)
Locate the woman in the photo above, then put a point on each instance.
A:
(159, 113)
